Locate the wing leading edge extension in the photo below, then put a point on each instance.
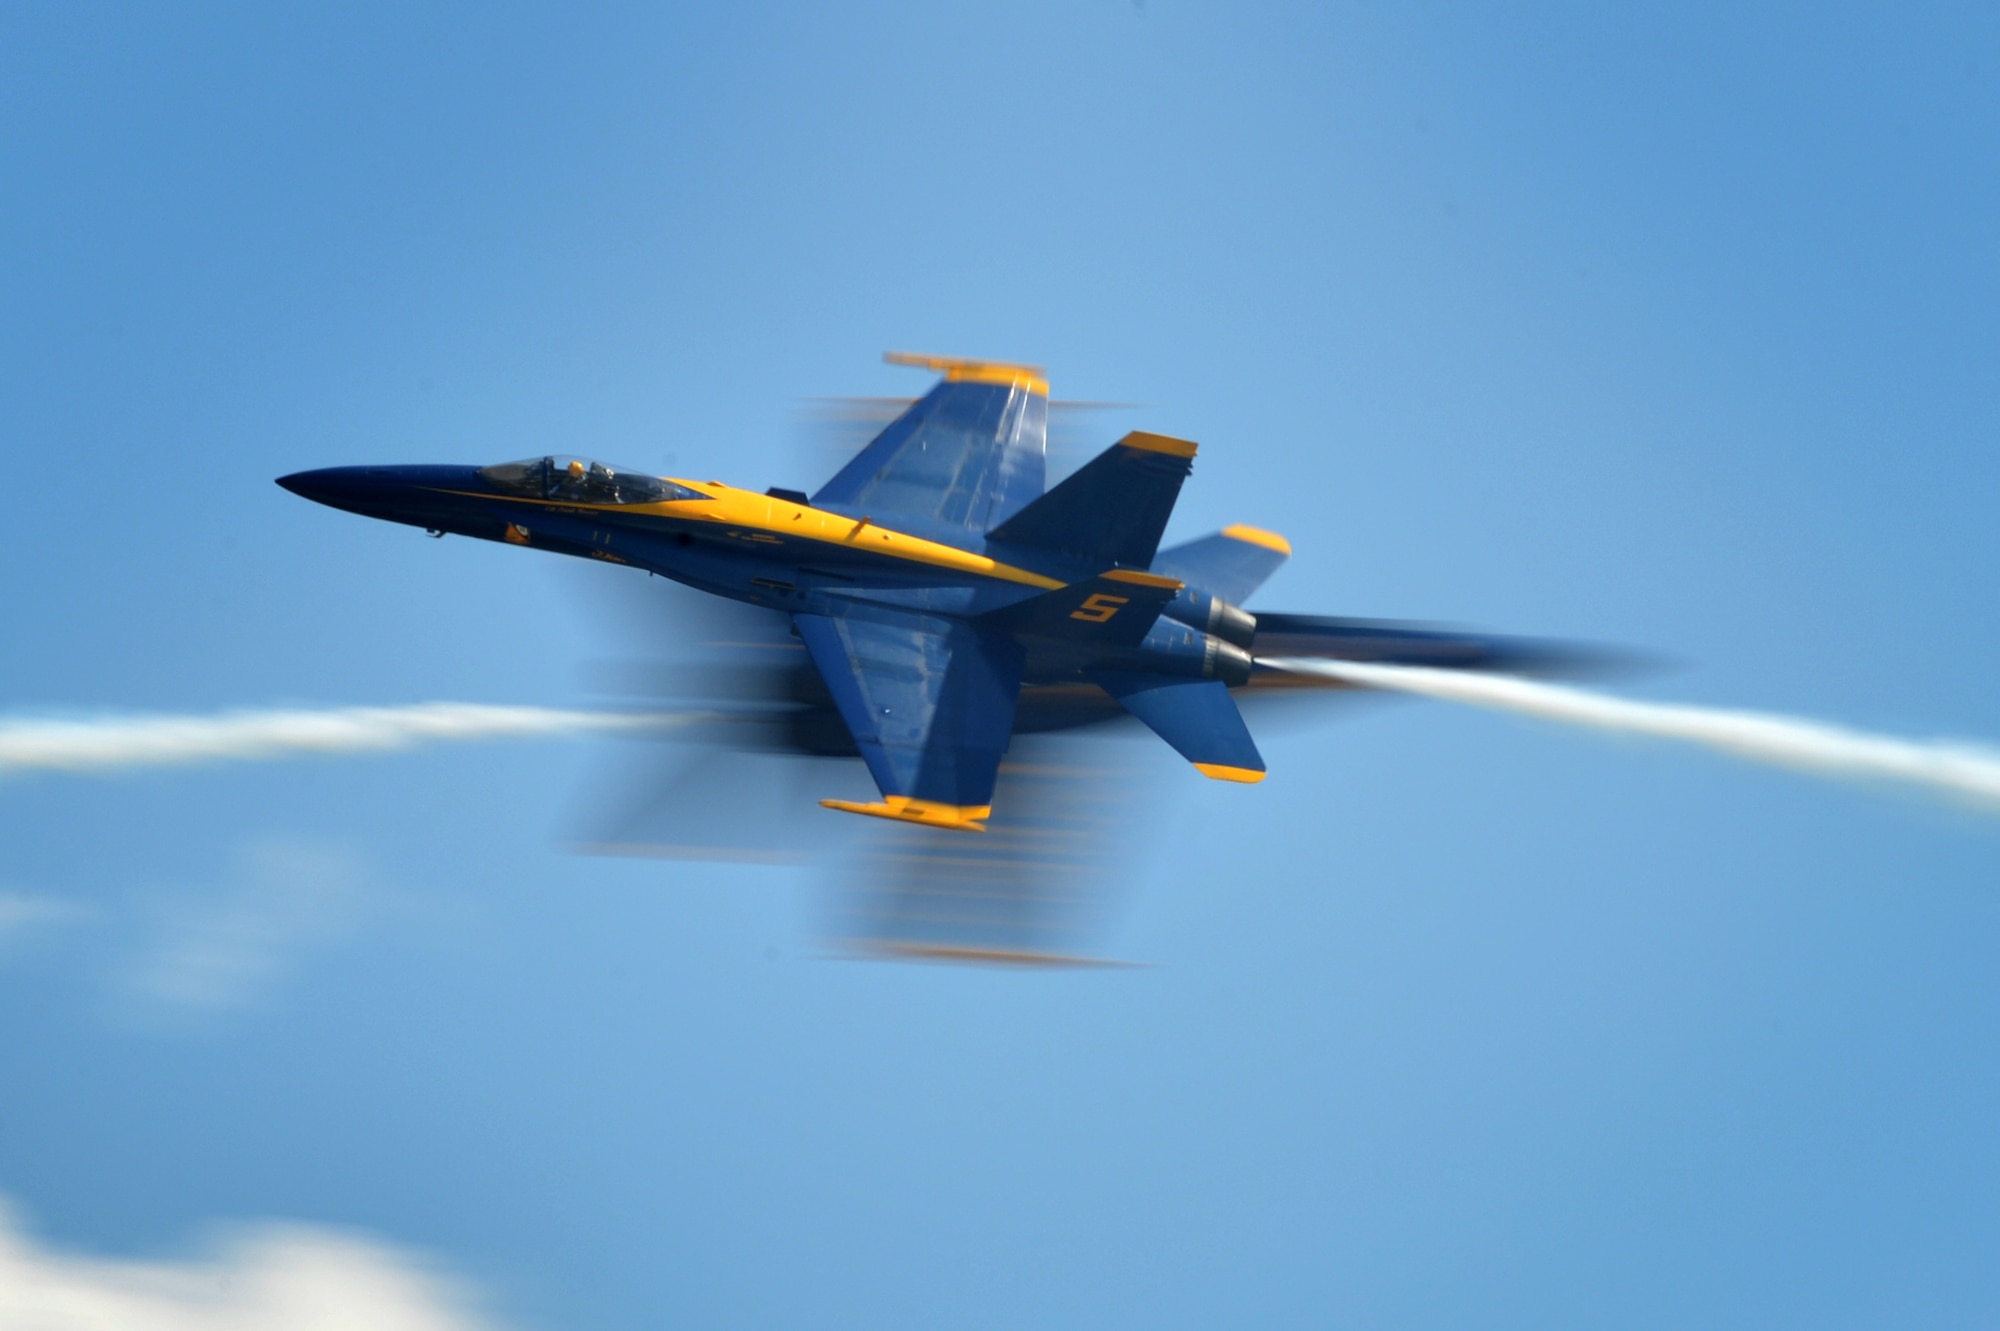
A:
(930, 703)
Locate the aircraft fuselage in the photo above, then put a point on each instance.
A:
(777, 551)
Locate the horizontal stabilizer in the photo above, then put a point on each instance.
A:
(1113, 508)
(1197, 717)
(1113, 609)
(1228, 565)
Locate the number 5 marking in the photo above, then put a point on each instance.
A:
(1097, 607)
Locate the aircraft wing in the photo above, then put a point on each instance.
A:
(930, 703)
(968, 454)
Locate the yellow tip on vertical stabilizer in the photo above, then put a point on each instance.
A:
(1270, 540)
(1161, 443)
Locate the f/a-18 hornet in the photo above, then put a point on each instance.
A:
(946, 597)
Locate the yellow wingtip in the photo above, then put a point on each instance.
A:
(968, 370)
(1270, 540)
(1249, 776)
(960, 817)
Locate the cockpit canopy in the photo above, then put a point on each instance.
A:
(582, 481)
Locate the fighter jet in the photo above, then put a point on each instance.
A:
(945, 597)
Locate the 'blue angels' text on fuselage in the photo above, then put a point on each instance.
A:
(930, 581)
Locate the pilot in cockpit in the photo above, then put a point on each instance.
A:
(583, 482)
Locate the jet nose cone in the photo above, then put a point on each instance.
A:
(419, 496)
(356, 489)
(326, 485)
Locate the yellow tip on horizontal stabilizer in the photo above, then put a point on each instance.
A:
(1270, 540)
(965, 370)
(1249, 776)
(960, 817)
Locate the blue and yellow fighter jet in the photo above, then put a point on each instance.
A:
(945, 597)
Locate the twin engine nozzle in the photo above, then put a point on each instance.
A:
(1227, 633)
(1213, 616)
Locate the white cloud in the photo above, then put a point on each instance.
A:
(21, 913)
(268, 1277)
(223, 949)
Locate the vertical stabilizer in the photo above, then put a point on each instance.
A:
(1228, 565)
(1114, 508)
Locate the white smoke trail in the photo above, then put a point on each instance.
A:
(110, 743)
(1966, 772)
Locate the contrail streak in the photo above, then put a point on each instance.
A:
(1966, 772)
(111, 743)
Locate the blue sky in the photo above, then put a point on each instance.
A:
(1673, 331)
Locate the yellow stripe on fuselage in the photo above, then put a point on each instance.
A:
(746, 509)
